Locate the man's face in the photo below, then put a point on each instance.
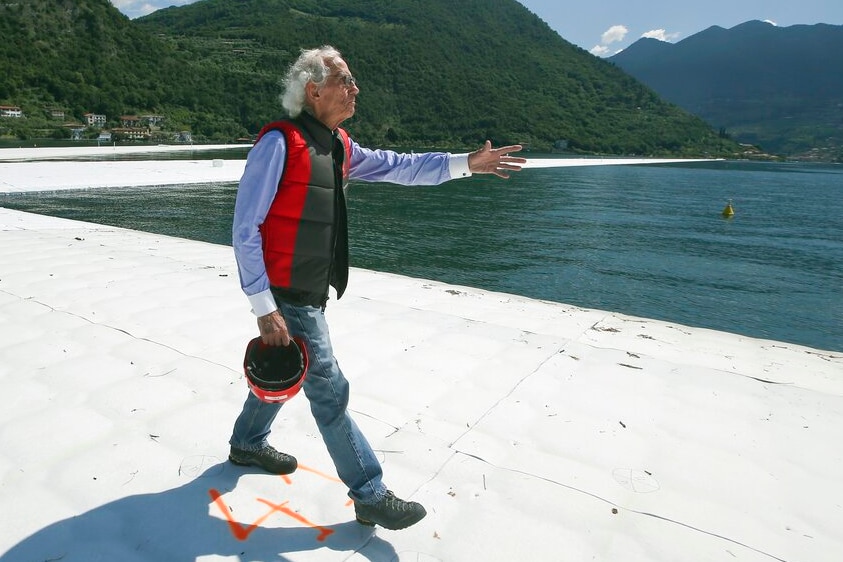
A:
(336, 100)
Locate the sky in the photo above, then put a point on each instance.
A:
(605, 27)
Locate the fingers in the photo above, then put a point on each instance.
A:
(503, 156)
(502, 173)
(497, 161)
(502, 170)
(273, 329)
(278, 339)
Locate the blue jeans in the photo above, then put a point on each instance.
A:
(327, 390)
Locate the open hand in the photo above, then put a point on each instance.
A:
(488, 160)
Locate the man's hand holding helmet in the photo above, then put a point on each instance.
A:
(273, 329)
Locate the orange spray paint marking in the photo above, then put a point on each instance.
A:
(324, 532)
(240, 532)
(318, 473)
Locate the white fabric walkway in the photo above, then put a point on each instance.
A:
(530, 430)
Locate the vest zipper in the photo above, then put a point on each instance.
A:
(334, 225)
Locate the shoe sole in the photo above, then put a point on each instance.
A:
(256, 465)
(409, 523)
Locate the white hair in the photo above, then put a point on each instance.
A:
(311, 66)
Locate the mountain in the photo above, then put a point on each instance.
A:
(83, 55)
(777, 87)
(433, 73)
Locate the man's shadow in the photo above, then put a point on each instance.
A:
(175, 525)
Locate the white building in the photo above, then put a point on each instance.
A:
(10, 111)
(94, 119)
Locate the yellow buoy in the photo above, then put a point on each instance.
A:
(728, 211)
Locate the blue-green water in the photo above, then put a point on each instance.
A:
(643, 240)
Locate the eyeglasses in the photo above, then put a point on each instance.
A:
(347, 79)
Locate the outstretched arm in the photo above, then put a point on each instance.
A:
(488, 160)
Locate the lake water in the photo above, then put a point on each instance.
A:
(642, 240)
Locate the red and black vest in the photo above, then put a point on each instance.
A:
(305, 233)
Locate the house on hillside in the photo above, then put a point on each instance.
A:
(153, 120)
(131, 133)
(57, 114)
(94, 119)
(130, 121)
(10, 111)
(77, 132)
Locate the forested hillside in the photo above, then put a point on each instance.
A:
(431, 73)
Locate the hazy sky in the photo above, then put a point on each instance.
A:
(606, 26)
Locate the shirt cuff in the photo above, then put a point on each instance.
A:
(262, 303)
(458, 166)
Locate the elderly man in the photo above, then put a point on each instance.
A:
(290, 239)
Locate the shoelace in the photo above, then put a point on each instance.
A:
(277, 455)
(396, 503)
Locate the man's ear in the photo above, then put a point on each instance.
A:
(311, 91)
